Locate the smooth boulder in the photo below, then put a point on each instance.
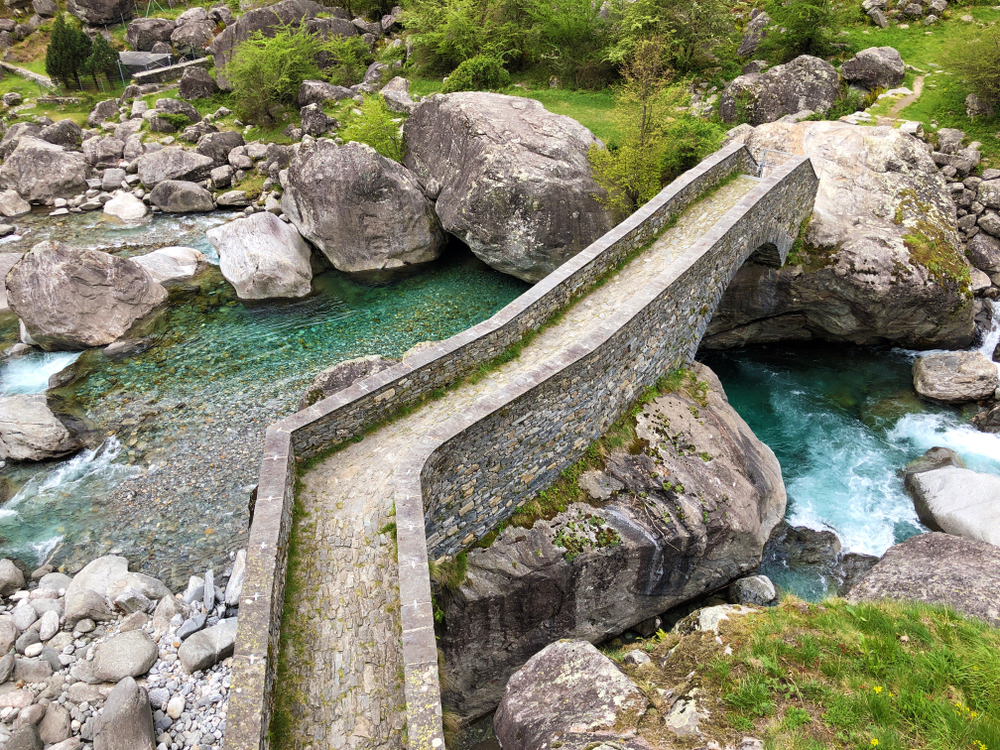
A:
(343, 375)
(85, 595)
(173, 164)
(567, 688)
(955, 377)
(197, 83)
(41, 171)
(172, 264)
(513, 181)
(181, 197)
(390, 225)
(208, 647)
(937, 569)
(958, 501)
(31, 431)
(143, 33)
(71, 298)
(263, 257)
(126, 207)
(12, 204)
(860, 274)
(128, 654)
(126, 721)
(805, 83)
(875, 67)
(685, 522)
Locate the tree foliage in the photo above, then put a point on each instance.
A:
(659, 139)
(103, 60)
(376, 127)
(67, 53)
(978, 61)
(798, 27)
(266, 72)
(478, 73)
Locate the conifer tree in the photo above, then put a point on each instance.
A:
(57, 55)
(80, 46)
(103, 60)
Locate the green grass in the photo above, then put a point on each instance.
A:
(889, 676)
(942, 102)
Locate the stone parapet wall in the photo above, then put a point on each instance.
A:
(346, 416)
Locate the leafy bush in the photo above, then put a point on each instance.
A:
(658, 140)
(978, 61)
(798, 27)
(264, 71)
(375, 127)
(346, 59)
(479, 73)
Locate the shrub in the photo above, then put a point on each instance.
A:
(375, 127)
(978, 61)
(264, 71)
(346, 59)
(477, 74)
(798, 27)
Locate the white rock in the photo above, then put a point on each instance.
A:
(175, 707)
(49, 625)
(126, 207)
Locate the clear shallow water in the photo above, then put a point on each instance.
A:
(843, 422)
(31, 372)
(181, 425)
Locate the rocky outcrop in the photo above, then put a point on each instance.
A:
(958, 501)
(511, 179)
(690, 518)
(753, 35)
(173, 164)
(41, 171)
(879, 261)
(567, 689)
(318, 92)
(955, 377)
(343, 375)
(875, 67)
(391, 225)
(805, 83)
(938, 569)
(30, 431)
(68, 298)
(97, 12)
(192, 35)
(263, 257)
(265, 20)
(7, 261)
(143, 33)
(197, 83)
(181, 197)
(172, 264)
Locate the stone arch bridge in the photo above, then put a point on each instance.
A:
(452, 456)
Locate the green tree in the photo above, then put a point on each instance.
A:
(103, 60)
(978, 62)
(798, 27)
(658, 140)
(265, 72)
(689, 33)
(58, 64)
(375, 127)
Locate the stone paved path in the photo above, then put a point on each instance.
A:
(344, 673)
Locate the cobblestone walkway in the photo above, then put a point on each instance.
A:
(343, 676)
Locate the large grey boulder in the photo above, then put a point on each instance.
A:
(15, 133)
(103, 111)
(7, 261)
(875, 67)
(197, 83)
(65, 133)
(396, 94)
(173, 164)
(30, 431)
(216, 146)
(11, 577)
(343, 375)
(143, 33)
(567, 688)
(71, 298)
(955, 377)
(126, 722)
(938, 569)
(391, 225)
(85, 595)
(854, 277)
(318, 92)
(267, 21)
(172, 264)
(684, 523)
(958, 501)
(126, 207)
(515, 183)
(103, 152)
(181, 197)
(41, 171)
(753, 35)
(191, 38)
(128, 654)
(25, 737)
(805, 83)
(263, 257)
(12, 204)
(983, 252)
(208, 647)
(99, 12)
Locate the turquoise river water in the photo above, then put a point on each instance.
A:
(177, 431)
